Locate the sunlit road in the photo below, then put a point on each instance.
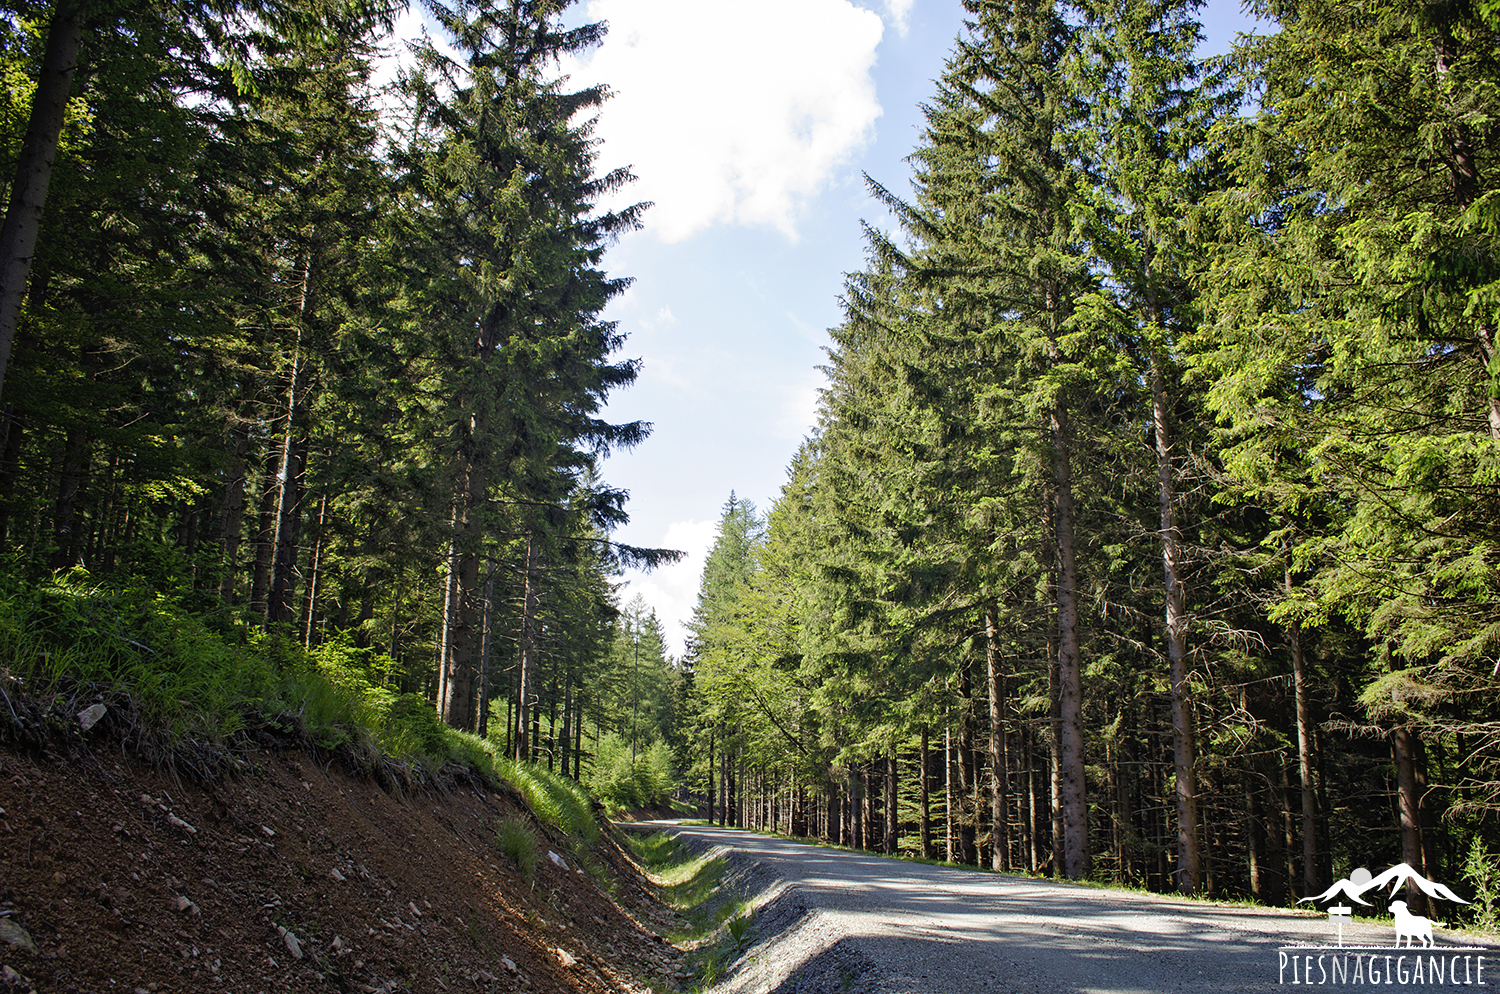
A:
(852, 921)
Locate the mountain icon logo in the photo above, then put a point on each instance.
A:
(1361, 882)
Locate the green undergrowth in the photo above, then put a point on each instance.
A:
(196, 689)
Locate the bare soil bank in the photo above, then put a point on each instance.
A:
(293, 875)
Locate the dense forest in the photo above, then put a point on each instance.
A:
(319, 361)
(1148, 531)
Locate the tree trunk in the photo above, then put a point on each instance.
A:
(948, 823)
(289, 482)
(314, 576)
(968, 813)
(857, 806)
(65, 509)
(486, 651)
(1072, 790)
(528, 644)
(10, 467)
(1305, 766)
(232, 509)
(924, 776)
(1184, 733)
(1288, 827)
(445, 669)
(28, 190)
(1000, 781)
(892, 808)
(265, 533)
(567, 729)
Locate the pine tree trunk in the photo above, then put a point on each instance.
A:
(289, 482)
(528, 645)
(1030, 828)
(28, 189)
(1305, 766)
(232, 509)
(265, 533)
(1255, 857)
(567, 728)
(65, 509)
(892, 808)
(486, 650)
(857, 805)
(968, 821)
(450, 620)
(1288, 829)
(10, 467)
(924, 776)
(1184, 734)
(1000, 781)
(948, 824)
(314, 576)
(1072, 792)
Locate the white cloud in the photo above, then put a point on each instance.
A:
(732, 112)
(661, 319)
(899, 10)
(673, 590)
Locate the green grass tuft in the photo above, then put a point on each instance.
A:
(519, 844)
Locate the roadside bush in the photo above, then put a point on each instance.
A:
(616, 780)
(1483, 872)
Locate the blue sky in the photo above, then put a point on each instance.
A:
(749, 126)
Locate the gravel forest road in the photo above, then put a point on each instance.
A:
(831, 920)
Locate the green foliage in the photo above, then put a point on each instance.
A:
(619, 781)
(518, 843)
(1482, 870)
(184, 683)
(412, 728)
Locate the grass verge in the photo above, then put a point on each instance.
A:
(717, 923)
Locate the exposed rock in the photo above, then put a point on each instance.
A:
(177, 822)
(16, 936)
(89, 716)
(508, 963)
(292, 945)
(557, 859)
(335, 874)
(566, 958)
(183, 904)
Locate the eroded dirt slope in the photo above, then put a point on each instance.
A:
(293, 875)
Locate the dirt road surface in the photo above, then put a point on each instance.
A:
(830, 920)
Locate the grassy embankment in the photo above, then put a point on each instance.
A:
(196, 691)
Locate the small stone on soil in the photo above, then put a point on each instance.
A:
(17, 936)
